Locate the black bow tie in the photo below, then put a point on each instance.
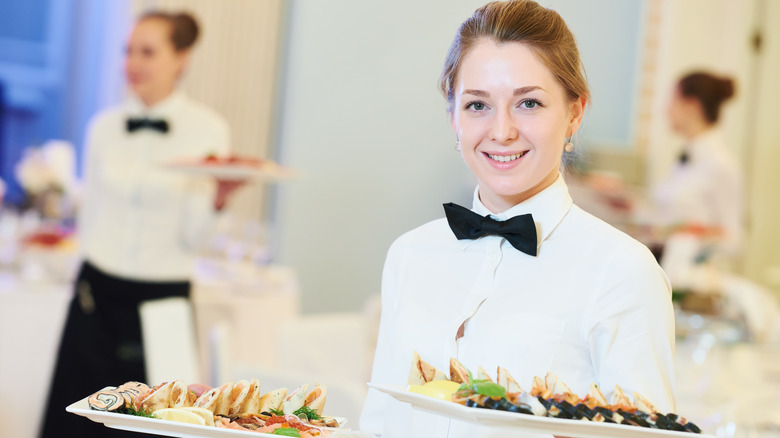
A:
(157, 125)
(520, 231)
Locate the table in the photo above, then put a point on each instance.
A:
(236, 307)
(32, 316)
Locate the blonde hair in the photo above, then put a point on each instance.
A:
(522, 21)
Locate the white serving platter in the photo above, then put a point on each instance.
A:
(524, 422)
(155, 426)
(266, 170)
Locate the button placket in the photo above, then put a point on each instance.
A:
(479, 292)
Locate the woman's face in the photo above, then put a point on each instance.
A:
(684, 113)
(512, 117)
(152, 64)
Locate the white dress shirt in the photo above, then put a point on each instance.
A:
(139, 219)
(593, 306)
(706, 190)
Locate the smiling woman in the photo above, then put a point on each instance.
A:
(526, 280)
(511, 133)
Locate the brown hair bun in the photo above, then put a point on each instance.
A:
(184, 27)
(710, 90)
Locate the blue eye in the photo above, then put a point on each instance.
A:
(530, 103)
(476, 106)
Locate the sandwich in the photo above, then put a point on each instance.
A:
(422, 372)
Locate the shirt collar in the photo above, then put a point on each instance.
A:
(703, 143)
(548, 207)
(162, 109)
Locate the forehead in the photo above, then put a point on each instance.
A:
(151, 29)
(489, 64)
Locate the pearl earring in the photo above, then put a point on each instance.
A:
(457, 145)
(568, 146)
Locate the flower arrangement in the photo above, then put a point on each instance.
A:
(48, 176)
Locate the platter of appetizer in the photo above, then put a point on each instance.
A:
(549, 406)
(230, 410)
(231, 167)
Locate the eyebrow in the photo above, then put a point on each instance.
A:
(517, 91)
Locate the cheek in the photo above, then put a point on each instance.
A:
(470, 130)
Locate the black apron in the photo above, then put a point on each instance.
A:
(101, 346)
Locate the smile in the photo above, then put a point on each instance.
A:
(506, 158)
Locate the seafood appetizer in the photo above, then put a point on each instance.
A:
(548, 397)
(235, 405)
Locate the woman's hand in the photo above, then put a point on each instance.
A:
(225, 189)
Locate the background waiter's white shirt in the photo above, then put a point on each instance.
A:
(139, 220)
(594, 306)
(707, 190)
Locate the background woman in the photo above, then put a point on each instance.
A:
(705, 188)
(139, 223)
(576, 297)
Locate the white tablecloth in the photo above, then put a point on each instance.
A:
(32, 315)
(238, 310)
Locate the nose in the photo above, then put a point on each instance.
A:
(504, 128)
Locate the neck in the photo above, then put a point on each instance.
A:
(697, 129)
(497, 204)
(151, 99)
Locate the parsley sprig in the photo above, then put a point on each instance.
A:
(310, 413)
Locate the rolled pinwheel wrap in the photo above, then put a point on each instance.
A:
(224, 399)
(295, 399)
(238, 397)
(132, 391)
(107, 399)
(273, 400)
(316, 398)
(158, 397)
(252, 401)
(178, 395)
(208, 400)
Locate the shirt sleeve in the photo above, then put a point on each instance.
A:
(198, 214)
(372, 418)
(726, 197)
(630, 328)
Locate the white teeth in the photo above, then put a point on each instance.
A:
(505, 158)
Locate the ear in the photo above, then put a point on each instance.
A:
(183, 60)
(576, 112)
(454, 122)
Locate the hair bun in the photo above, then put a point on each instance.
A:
(710, 90)
(184, 27)
(726, 89)
(185, 30)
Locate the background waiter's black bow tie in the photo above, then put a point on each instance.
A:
(157, 125)
(520, 231)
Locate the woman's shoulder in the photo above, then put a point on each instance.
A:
(203, 114)
(430, 233)
(603, 237)
(108, 120)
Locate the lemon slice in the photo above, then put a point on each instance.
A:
(441, 389)
(180, 415)
(206, 414)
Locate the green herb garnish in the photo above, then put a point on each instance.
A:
(131, 410)
(277, 412)
(310, 413)
(286, 431)
(483, 387)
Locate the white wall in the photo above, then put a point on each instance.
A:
(362, 118)
(763, 258)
